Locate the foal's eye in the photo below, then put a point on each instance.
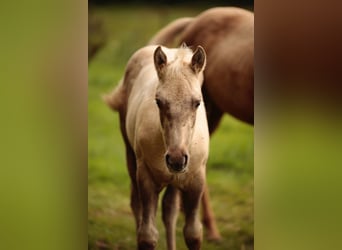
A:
(197, 103)
(159, 103)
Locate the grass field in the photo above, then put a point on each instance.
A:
(230, 166)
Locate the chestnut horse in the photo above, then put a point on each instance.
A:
(164, 125)
(227, 35)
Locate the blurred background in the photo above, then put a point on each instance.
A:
(116, 31)
(46, 100)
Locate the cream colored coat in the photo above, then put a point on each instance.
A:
(144, 128)
(162, 114)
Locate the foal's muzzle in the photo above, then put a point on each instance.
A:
(176, 161)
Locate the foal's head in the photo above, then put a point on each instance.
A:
(178, 97)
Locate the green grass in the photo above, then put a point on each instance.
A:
(230, 166)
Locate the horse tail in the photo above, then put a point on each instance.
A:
(167, 35)
(115, 100)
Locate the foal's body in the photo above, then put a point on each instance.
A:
(166, 144)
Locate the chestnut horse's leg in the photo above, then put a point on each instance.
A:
(209, 222)
(148, 194)
(170, 212)
(193, 228)
(214, 116)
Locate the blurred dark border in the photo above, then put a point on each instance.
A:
(172, 2)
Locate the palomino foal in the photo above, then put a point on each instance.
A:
(163, 123)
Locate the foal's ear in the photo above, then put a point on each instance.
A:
(160, 60)
(198, 60)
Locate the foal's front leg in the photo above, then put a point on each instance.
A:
(170, 211)
(148, 194)
(193, 228)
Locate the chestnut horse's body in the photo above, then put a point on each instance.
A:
(163, 122)
(227, 35)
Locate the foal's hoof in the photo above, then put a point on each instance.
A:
(146, 246)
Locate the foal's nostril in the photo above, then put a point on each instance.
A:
(176, 162)
(185, 159)
(167, 158)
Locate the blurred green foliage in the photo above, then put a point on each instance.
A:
(43, 125)
(298, 175)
